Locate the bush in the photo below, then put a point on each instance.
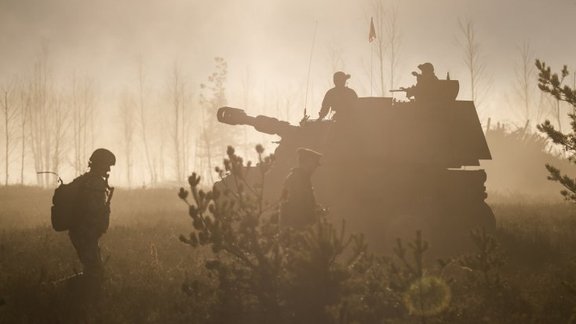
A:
(265, 273)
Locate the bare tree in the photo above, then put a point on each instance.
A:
(48, 121)
(143, 123)
(9, 113)
(189, 117)
(177, 97)
(524, 71)
(473, 59)
(59, 127)
(215, 136)
(83, 103)
(40, 100)
(388, 40)
(393, 41)
(25, 97)
(246, 101)
(379, 23)
(162, 151)
(525, 75)
(127, 116)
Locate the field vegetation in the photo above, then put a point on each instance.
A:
(524, 272)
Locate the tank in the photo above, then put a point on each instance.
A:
(391, 168)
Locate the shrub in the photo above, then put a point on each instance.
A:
(265, 273)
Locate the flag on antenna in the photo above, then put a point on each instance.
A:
(372, 34)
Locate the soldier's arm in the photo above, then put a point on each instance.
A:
(352, 99)
(293, 189)
(411, 92)
(353, 94)
(325, 106)
(98, 211)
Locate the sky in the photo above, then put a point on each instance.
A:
(271, 41)
(268, 45)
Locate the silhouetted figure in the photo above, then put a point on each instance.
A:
(298, 207)
(93, 215)
(426, 82)
(338, 99)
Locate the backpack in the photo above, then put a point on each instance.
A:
(66, 204)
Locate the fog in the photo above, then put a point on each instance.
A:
(267, 46)
(428, 204)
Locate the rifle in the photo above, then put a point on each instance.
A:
(402, 89)
(110, 192)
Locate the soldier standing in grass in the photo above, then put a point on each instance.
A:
(298, 207)
(93, 215)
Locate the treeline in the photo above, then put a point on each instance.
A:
(51, 126)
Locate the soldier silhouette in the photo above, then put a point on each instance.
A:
(93, 215)
(298, 208)
(338, 99)
(426, 83)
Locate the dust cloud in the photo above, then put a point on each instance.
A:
(267, 46)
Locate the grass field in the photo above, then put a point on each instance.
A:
(147, 265)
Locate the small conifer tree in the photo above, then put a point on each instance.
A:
(553, 84)
(265, 273)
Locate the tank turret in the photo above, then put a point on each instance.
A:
(390, 168)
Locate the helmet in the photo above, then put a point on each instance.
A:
(102, 156)
(426, 67)
(341, 76)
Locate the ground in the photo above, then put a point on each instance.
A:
(148, 267)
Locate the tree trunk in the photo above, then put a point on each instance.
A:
(143, 124)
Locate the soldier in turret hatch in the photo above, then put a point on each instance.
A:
(425, 83)
(338, 99)
(298, 208)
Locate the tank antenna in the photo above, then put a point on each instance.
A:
(310, 67)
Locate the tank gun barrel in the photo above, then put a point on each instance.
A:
(263, 124)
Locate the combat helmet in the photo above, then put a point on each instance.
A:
(102, 156)
(426, 68)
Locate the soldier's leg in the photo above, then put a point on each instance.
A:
(88, 286)
(88, 251)
(93, 266)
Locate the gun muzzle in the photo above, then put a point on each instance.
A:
(232, 116)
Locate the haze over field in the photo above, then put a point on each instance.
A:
(435, 208)
(267, 45)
